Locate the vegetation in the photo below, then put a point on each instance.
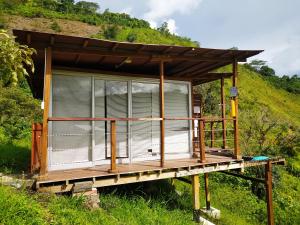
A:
(269, 125)
(13, 60)
(290, 84)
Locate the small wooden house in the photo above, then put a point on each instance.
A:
(117, 112)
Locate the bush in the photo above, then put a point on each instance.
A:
(131, 37)
(55, 26)
(18, 110)
(111, 32)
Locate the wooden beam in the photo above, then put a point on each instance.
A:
(212, 134)
(47, 86)
(28, 38)
(115, 46)
(119, 73)
(185, 70)
(123, 62)
(162, 113)
(253, 179)
(237, 151)
(52, 40)
(96, 51)
(223, 107)
(207, 193)
(268, 178)
(85, 43)
(201, 140)
(196, 196)
(212, 75)
(77, 59)
(113, 146)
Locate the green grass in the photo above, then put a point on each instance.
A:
(150, 203)
(15, 157)
(254, 91)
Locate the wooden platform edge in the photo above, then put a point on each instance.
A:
(118, 179)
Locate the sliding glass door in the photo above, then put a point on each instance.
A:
(87, 143)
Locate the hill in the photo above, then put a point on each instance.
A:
(269, 121)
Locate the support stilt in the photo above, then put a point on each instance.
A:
(207, 193)
(268, 177)
(196, 197)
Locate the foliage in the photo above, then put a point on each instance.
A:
(83, 11)
(15, 157)
(111, 32)
(84, 7)
(18, 110)
(55, 26)
(14, 59)
(291, 84)
(131, 37)
(18, 208)
(164, 29)
(148, 36)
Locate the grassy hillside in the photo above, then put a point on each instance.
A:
(159, 203)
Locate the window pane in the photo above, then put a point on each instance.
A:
(100, 126)
(117, 107)
(145, 134)
(177, 105)
(71, 141)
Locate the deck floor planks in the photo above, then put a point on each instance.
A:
(144, 166)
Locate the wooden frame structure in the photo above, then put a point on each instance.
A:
(161, 62)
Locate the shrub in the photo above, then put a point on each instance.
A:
(55, 26)
(111, 32)
(131, 37)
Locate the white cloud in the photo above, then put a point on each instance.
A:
(127, 10)
(172, 26)
(160, 10)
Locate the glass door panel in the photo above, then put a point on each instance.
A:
(71, 140)
(145, 134)
(177, 131)
(116, 102)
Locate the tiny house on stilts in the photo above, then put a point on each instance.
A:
(117, 113)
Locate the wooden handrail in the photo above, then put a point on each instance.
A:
(136, 119)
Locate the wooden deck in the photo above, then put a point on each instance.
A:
(63, 180)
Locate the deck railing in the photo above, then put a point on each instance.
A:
(198, 139)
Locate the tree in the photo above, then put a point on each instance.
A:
(266, 71)
(15, 60)
(84, 7)
(164, 29)
(256, 64)
(66, 6)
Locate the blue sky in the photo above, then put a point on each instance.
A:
(272, 25)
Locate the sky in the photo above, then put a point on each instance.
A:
(270, 25)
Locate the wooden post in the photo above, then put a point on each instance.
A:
(36, 146)
(162, 114)
(201, 140)
(268, 183)
(47, 86)
(223, 106)
(207, 193)
(212, 134)
(237, 151)
(113, 145)
(196, 196)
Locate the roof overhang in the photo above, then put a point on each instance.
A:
(123, 58)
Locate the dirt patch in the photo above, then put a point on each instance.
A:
(67, 27)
